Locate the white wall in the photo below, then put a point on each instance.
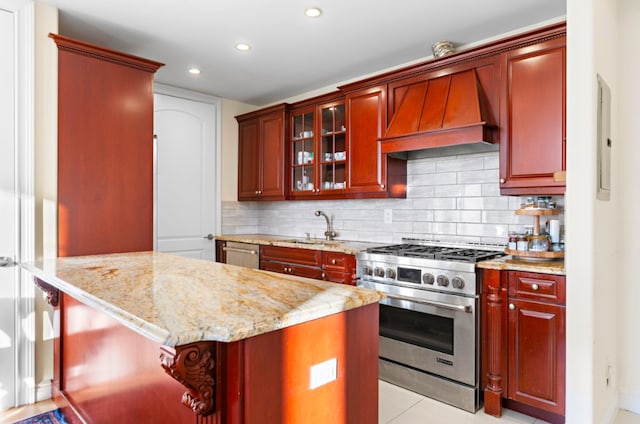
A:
(46, 171)
(230, 109)
(627, 155)
(592, 268)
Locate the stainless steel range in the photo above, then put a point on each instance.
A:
(429, 321)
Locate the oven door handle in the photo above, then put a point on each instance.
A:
(461, 308)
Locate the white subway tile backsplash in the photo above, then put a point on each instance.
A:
(483, 230)
(458, 190)
(483, 176)
(451, 199)
(457, 216)
(421, 166)
(460, 163)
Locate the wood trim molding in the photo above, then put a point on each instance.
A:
(193, 366)
(53, 294)
(468, 55)
(494, 390)
(102, 53)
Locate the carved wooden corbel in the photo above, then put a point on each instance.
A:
(53, 294)
(193, 366)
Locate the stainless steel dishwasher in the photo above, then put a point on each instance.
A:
(243, 254)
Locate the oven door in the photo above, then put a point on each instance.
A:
(430, 331)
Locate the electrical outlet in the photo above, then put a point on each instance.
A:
(388, 216)
(323, 373)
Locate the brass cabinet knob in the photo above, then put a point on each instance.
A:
(512, 306)
(502, 181)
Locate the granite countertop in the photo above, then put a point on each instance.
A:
(344, 246)
(509, 263)
(175, 300)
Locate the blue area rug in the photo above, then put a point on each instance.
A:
(51, 417)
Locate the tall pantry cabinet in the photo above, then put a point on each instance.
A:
(105, 150)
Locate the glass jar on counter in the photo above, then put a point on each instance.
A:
(513, 241)
(522, 243)
(539, 243)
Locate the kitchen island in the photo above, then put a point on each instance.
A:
(139, 336)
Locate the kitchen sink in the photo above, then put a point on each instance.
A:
(313, 242)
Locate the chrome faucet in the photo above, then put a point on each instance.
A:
(330, 233)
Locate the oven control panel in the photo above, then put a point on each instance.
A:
(426, 278)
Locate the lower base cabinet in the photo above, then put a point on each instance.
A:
(336, 267)
(524, 343)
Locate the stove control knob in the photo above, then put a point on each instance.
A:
(378, 272)
(391, 273)
(367, 270)
(457, 282)
(428, 279)
(442, 280)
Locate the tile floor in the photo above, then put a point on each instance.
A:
(400, 406)
(397, 406)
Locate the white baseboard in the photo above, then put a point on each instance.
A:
(630, 401)
(43, 391)
(609, 417)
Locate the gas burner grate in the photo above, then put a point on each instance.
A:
(460, 254)
(468, 255)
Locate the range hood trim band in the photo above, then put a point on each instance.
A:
(462, 135)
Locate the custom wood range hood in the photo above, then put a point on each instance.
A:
(440, 116)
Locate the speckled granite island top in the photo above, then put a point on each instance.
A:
(175, 300)
(344, 246)
(509, 263)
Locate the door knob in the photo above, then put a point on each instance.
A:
(6, 261)
(209, 236)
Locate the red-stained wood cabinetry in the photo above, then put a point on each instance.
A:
(261, 153)
(336, 267)
(371, 173)
(523, 343)
(532, 148)
(105, 150)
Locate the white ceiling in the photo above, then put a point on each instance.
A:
(291, 53)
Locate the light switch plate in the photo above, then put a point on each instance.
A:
(323, 373)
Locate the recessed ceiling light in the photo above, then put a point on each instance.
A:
(194, 71)
(313, 12)
(243, 47)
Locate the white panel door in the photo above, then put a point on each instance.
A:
(8, 215)
(185, 176)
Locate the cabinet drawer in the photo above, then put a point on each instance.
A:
(297, 270)
(542, 287)
(291, 255)
(340, 277)
(336, 261)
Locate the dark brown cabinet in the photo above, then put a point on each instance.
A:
(371, 173)
(532, 148)
(523, 343)
(105, 150)
(336, 267)
(318, 158)
(536, 340)
(261, 154)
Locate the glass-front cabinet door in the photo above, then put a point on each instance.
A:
(303, 151)
(318, 150)
(333, 147)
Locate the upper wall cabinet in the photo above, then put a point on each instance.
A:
(318, 150)
(532, 147)
(371, 173)
(105, 150)
(335, 149)
(261, 153)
